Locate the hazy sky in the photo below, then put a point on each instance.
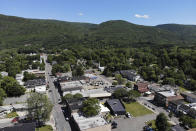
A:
(145, 12)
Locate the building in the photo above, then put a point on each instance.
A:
(130, 75)
(101, 68)
(190, 97)
(163, 98)
(20, 127)
(104, 110)
(93, 93)
(40, 89)
(141, 87)
(19, 78)
(3, 74)
(37, 72)
(34, 83)
(71, 86)
(96, 123)
(174, 105)
(74, 105)
(184, 109)
(116, 107)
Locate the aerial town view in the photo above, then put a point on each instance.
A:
(97, 65)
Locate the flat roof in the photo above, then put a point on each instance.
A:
(167, 93)
(90, 122)
(70, 84)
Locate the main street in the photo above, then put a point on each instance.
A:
(60, 123)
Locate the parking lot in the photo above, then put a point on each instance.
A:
(133, 124)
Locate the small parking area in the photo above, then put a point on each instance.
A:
(133, 124)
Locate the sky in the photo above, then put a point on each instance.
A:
(143, 12)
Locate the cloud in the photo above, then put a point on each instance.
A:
(142, 16)
(80, 14)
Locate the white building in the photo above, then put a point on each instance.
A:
(96, 123)
(40, 89)
(3, 74)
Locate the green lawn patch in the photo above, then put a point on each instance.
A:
(137, 109)
(45, 128)
(11, 115)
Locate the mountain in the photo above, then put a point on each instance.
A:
(16, 32)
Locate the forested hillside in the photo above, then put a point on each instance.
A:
(16, 32)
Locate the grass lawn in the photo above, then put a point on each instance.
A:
(136, 109)
(45, 128)
(11, 115)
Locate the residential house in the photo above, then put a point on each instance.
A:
(130, 75)
(163, 98)
(141, 87)
(116, 107)
(190, 97)
(3, 73)
(95, 123)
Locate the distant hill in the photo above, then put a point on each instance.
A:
(16, 32)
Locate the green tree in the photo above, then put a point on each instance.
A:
(78, 96)
(129, 85)
(161, 122)
(120, 93)
(91, 107)
(68, 96)
(119, 79)
(28, 76)
(133, 94)
(11, 87)
(78, 71)
(39, 107)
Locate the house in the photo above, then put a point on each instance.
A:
(96, 123)
(20, 127)
(177, 128)
(141, 87)
(163, 98)
(189, 97)
(3, 74)
(174, 105)
(130, 75)
(116, 107)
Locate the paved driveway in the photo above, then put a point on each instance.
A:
(133, 124)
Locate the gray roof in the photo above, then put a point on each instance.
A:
(35, 82)
(192, 95)
(116, 105)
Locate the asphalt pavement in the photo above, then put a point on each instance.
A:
(60, 123)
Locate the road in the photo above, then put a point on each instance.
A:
(60, 123)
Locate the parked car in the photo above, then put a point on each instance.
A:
(114, 125)
(128, 115)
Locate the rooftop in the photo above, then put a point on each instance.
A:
(115, 104)
(167, 93)
(70, 84)
(189, 94)
(90, 122)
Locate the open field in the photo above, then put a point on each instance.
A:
(136, 109)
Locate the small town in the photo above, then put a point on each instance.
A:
(86, 100)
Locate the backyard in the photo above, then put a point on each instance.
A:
(136, 109)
